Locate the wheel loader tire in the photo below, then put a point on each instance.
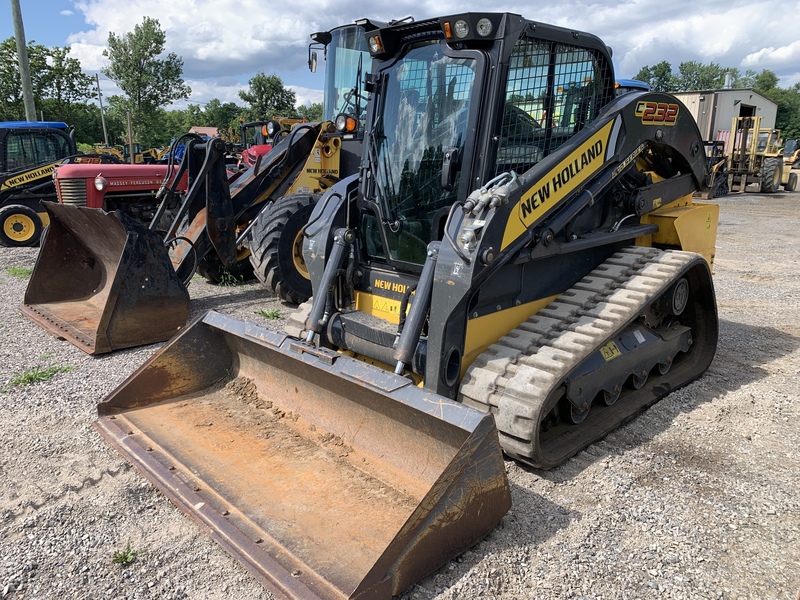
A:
(791, 183)
(276, 247)
(19, 226)
(211, 268)
(771, 173)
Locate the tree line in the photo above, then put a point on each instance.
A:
(693, 76)
(152, 80)
(149, 79)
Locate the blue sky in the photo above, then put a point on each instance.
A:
(225, 42)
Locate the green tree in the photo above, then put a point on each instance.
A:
(659, 76)
(11, 107)
(787, 118)
(312, 112)
(85, 117)
(174, 123)
(765, 81)
(148, 81)
(65, 84)
(222, 115)
(268, 98)
(116, 119)
(694, 76)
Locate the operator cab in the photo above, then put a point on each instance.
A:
(25, 145)
(493, 92)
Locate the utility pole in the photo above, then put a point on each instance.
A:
(102, 116)
(24, 67)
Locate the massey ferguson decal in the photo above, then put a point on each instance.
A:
(657, 113)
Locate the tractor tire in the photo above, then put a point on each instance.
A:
(276, 247)
(771, 173)
(20, 226)
(212, 270)
(791, 183)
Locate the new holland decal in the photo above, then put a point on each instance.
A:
(557, 184)
(28, 176)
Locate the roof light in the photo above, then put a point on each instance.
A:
(273, 128)
(461, 28)
(484, 27)
(448, 30)
(375, 44)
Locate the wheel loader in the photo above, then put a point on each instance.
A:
(276, 239)
(791, 154)
(487, 282)
(105, 280)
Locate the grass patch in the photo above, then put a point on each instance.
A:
(227, 278)
(126, 557)
(272, 313)
(36, 374)
(20, 272)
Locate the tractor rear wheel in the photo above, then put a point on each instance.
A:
(276, 247)
(771, 173)
(791, 183)
(19, 226)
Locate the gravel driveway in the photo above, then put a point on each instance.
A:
(697, 498)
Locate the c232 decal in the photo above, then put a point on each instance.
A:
(657, 113)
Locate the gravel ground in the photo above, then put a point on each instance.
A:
(697, 498)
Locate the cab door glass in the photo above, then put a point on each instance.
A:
(28, 149)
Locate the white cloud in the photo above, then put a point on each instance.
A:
(306, 96)
(783, 56)
(225, 42)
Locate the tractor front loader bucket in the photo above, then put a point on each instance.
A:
(103, 282)
(325, 476)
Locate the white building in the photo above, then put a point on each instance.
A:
(714, 110)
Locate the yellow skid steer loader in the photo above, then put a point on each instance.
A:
(518, 264)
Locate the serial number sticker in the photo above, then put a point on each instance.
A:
(638, 335)
(610, 351)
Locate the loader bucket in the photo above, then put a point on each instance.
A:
(326, 477)
(104, 282)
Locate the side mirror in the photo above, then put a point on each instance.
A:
(312, 61)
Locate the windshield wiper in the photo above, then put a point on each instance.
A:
(388, 217)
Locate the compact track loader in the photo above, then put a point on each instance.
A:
(29, 153)
(519, 264)
(221, 226)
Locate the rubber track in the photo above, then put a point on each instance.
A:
(296, 322)
(515, 377)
